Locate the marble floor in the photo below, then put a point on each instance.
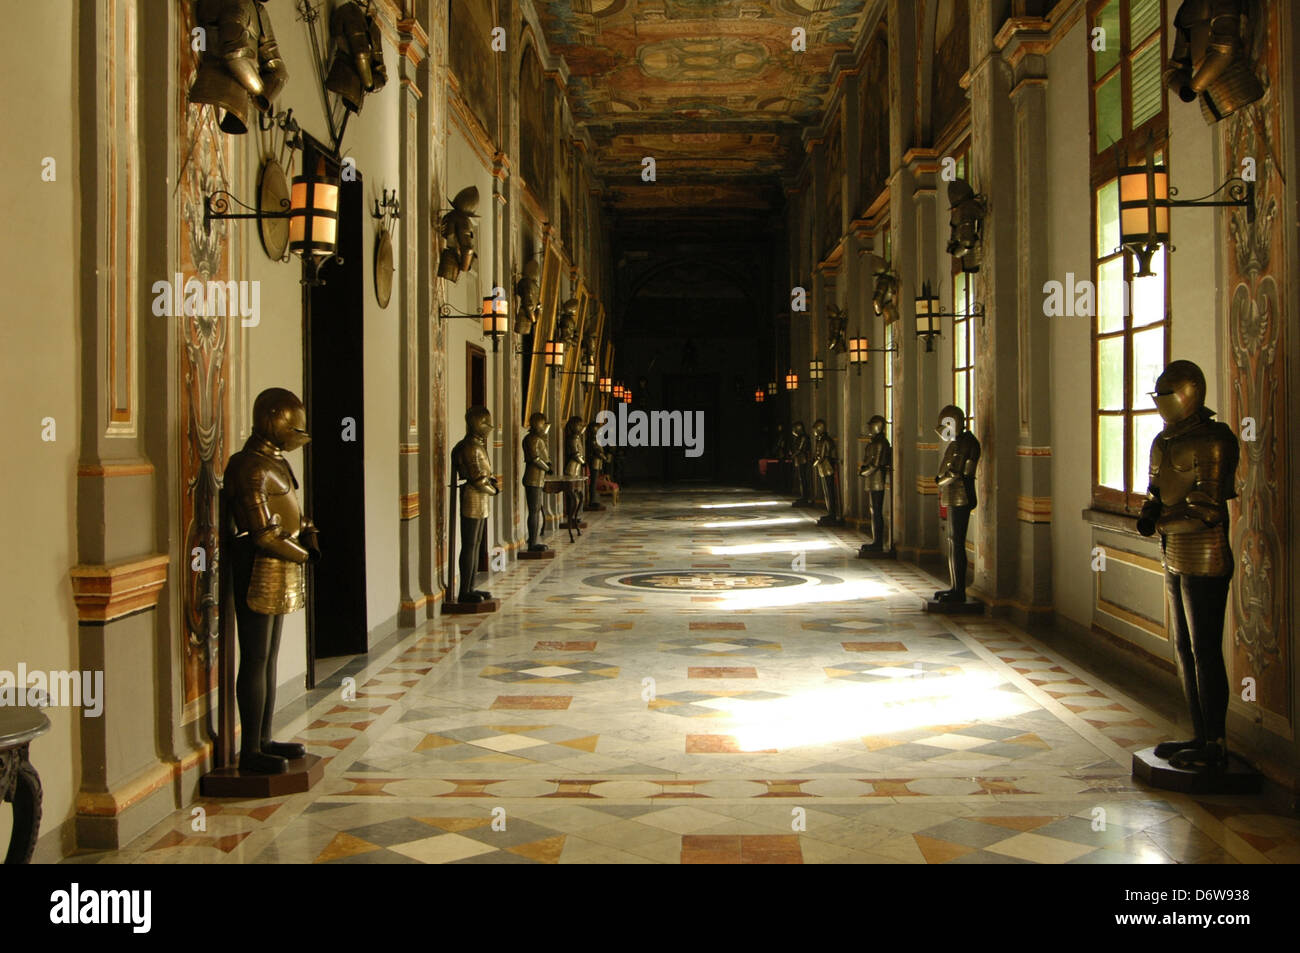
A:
(709, 677)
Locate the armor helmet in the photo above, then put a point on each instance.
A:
(575, 426)
(819, 427)
(1180, 391)
(531, 268)
(466, 201)
(538, 425)
(280, 418)
(876, 425)
(478, 421)
(797, 428)
(950, 413)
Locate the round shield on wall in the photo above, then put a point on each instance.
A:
(273, 196)
(384, 268)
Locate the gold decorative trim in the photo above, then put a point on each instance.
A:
(409, 605)
(405, 448)
(408, 505)
(478, 137)
(108, 592)
(927, 446)
(1033, 451)
(927, 486)
(114, 803)
(106, 470)
(1034, 509)
(1036, 35)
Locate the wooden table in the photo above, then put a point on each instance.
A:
(570, 486)
(19, 782)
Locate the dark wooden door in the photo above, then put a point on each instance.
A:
(333, 381)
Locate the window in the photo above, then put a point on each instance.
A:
(889, 382)
(963, 346)
(1130, 331)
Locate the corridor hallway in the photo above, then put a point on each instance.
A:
(709, 677)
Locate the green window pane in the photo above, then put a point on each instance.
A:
(1107, 21)
(1110, 452)
(1110, 295)
(1143, 20)
(1108, 218)
(1109, 114)
(1149, 293)
(1110, 374)
(1148, 362)
(1147, 84)
(1145, 429)
(959, 356)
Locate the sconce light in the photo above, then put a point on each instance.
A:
(860, 349)
(589, 373)
(495, 316)
(606, 385)
(791, 381)
(816, 372)
(771, 388)
(759, 395)
(553, 355)
(928, 315)
(627, 396)
(1145, 198)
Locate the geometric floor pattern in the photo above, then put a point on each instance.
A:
(819, 716)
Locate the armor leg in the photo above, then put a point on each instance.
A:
(958, 523)
(877, 519)
(291, 749)
(533, 496)
(1198, 604)
(259, 637)
(471, 533)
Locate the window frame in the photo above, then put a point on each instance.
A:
(1129, 150)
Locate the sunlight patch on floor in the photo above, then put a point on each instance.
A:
(805, 595)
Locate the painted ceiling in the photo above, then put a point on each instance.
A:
(712, 89)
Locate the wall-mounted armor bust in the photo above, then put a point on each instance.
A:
(458, 232)
(537, 464)
(567, 330)
(358, 66)
(1193, 475)
(529, 291)
(884, 297)
(241, 64)
(956, 481)
(473, 465)
(267, 541)
(1210, 59)
(966, 220)
(837, 341)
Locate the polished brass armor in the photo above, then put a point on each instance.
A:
(966, 222)
(876, 458)
(1192, 476)
(568, 326)
(575, 458)
(241, 65)
(537, 455)
(824, 457)
(597, 456)
(837, 340)
(800, 446)
(529, 291)
(458, 232)
(956, 476)
(470, 458)
(358, 66)
(1210, 59)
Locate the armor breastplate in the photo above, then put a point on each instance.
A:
(877, 458)
(800, 449)
(825, 461)
(535, 453)
(960, 457)
(262, 493)
(1196, 464)
(573, 461)
(472, 463)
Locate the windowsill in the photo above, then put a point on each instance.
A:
(1115, 522)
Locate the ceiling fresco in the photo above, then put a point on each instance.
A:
(711, 88)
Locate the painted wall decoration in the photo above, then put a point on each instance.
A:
(205, 353)
(472, 59)
(951, 60)
(1260, 615)
(873, 169)
(535, 163)
(833, 201)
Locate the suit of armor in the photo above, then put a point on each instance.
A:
(568, 328)
(575, 464)
(265, 543)
(537, 464)
(800, 455)
(876, 463)
(966, 220)
(241, 62)
(956, 481)
(1210, 61)
(458, 231)
(1193, 472)
(358, 66)
(825, 462)
(597, 457)
(471, 462)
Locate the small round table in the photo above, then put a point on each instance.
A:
(19, 782)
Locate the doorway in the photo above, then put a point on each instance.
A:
(333, 391)
(476, 396)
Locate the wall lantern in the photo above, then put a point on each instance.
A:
(928, 315)
(816, 371)
(1145, 198)
(554, 355)
(606, 385)
(494, 315)
(792, 381)
(860, 350)
(589, 373)
(312, 210)
(627, 396)
(759, 395)
(771, 388)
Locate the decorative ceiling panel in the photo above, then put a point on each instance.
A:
(712, 89)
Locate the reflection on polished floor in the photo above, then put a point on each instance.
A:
(708, 677)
